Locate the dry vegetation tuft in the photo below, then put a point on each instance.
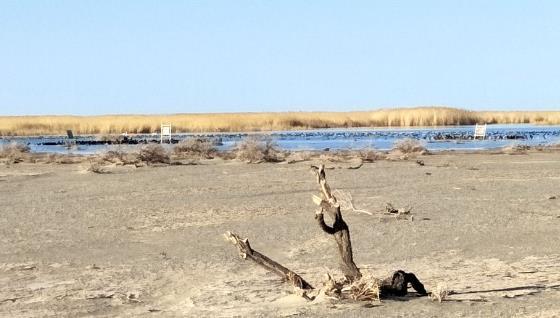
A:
(254, 149)
(120, 157)
(370, 155)
(399, 117)
(154, 153)
(196, 148)
(367, 288)
(14, 152)
(406, 148)
(410, 146)
(439, 293)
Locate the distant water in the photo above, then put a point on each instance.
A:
(435, 138)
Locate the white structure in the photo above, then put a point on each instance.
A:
(480, 131)
(165, 132)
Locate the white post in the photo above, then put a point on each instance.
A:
(165, 130)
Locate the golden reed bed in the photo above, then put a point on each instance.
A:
(233, 122)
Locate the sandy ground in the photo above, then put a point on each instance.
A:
(147, 242)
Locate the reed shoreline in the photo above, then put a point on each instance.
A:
(257, 122)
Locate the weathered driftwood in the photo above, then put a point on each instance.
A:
(353, 286)
(246, 251)
(339, 229)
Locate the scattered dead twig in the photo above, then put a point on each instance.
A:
(13, 300)
(100, 295)
(404, 213)
(347, 202)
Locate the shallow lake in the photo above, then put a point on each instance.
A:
(434, 138)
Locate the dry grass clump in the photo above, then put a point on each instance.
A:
(410, 146)
(254, 149)
(440, 293)
(405, 149)
(154, 153)
(370, 155)
(367, 288)
(120, 157)
(14, 152)
(196, 147)
(235, 122)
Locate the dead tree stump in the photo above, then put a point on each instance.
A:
(357, 287)
(339, 229)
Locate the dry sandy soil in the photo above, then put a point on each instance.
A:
(147, 242)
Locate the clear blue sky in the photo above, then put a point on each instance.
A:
(95, 57)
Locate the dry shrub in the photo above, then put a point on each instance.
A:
(410, 146)
(255, 149)
(14, 152)
(370, 155)
(196, 147)
(120, 157)
(154, 153)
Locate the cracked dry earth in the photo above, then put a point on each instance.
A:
(148, 242)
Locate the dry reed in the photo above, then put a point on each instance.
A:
(236, 122)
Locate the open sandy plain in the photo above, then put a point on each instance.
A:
(147, 242)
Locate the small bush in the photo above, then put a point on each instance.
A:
(370, 155)
(254, 150)
(154, 153)
(410, 146)
(14, 152)
(119, 156)
(196, 147)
